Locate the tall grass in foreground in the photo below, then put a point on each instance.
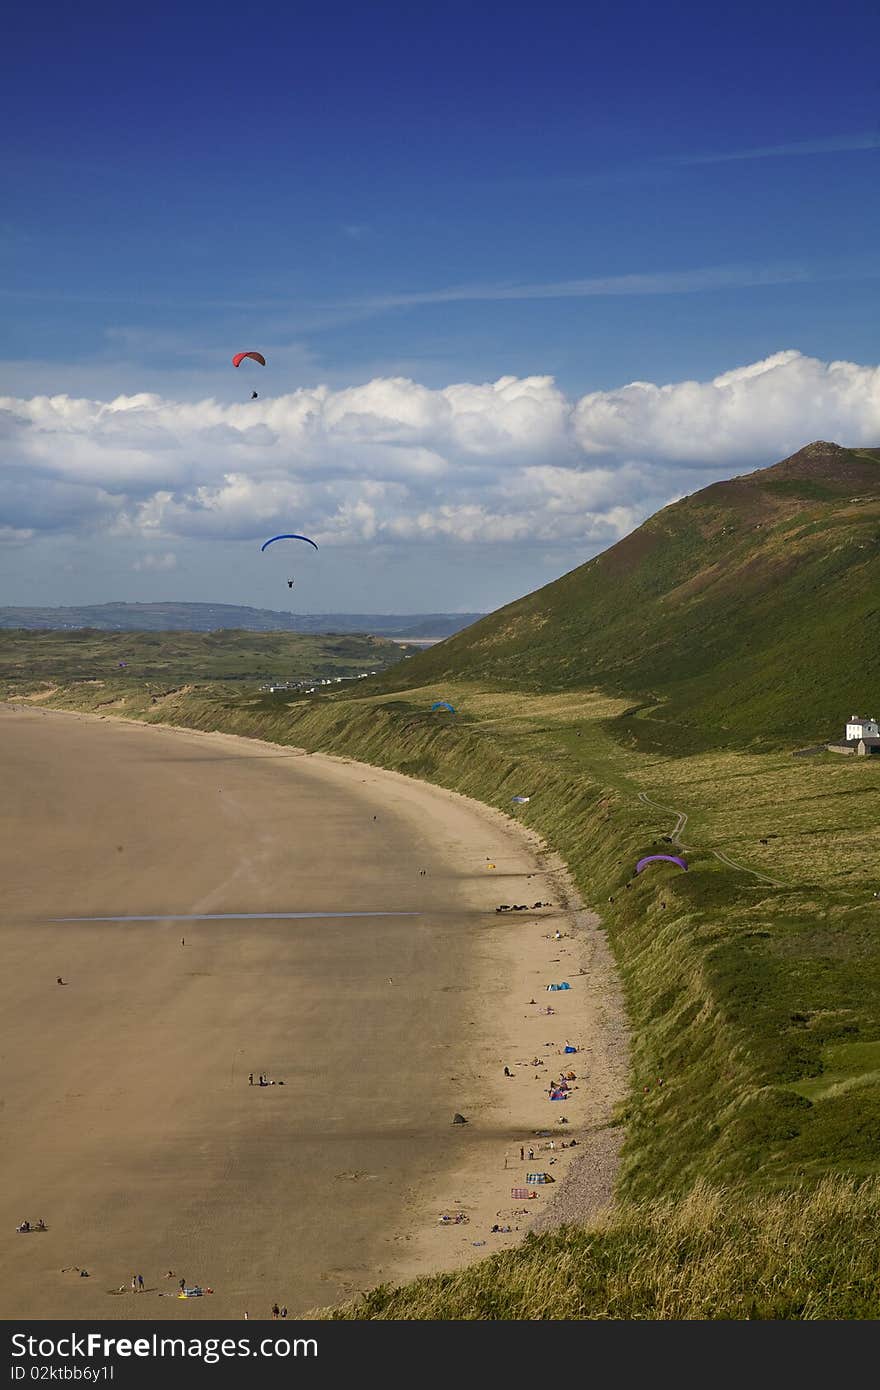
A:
(715, 1254)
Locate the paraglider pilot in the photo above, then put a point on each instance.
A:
(290, 583)
(254, 395)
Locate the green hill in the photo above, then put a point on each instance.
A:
(747, 611)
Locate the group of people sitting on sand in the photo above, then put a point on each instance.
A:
(26, 1226)
(521, 907)
(559, 1090)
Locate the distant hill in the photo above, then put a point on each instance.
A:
(748, 610)
(210, 617)
(124, 659)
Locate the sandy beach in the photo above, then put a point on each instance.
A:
(128, 1121)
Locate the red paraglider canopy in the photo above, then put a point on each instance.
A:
(240, 356)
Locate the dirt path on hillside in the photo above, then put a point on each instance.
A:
(675, 838)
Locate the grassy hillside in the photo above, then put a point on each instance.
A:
(745, 613)
(713, 1255)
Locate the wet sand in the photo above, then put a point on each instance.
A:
(128, 1123)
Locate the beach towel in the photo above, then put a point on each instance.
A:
(520, 1194)
(571, 1049)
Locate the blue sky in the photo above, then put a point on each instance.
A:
(600, 195)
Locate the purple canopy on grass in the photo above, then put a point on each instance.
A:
(650, 858)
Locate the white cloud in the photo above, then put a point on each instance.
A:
(156, 563)
(751, 415)
(14, 535)
(390, 462)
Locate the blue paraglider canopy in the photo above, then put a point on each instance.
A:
(650, 858)
(286, 537)
(442, 704)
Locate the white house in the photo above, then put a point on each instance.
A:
(862, 728)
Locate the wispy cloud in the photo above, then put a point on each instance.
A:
(651, 283)
(835, 144)
(662, 167)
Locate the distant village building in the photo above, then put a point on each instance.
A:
(862, 728)
(862, 738)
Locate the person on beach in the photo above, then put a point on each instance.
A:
(276, 1311)
(140, 1283)
(283, 1312)
(522, 1154)
(251, 1079)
